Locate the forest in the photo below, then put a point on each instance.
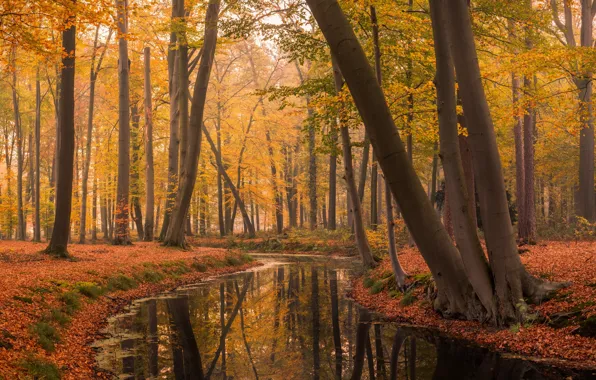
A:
(446, 148)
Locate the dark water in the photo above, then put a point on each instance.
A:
(288, 321)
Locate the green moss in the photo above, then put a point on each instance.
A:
(246, 258)
(71, 300)
(46, 335)
(394, 293)
(121, 282)
(368, 282)
(377, 287)
(408, 299)
(213, 262)
(23, 299)
(40, 369)
(89, 289)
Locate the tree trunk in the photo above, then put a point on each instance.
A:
(94, 208)
(149, 171)
(174, 117)
(233, 189)
(457, 203)
(175, 235)
(92, 79)
(332, 221)
(60, 233)
(37, 196)
(528, 230)
(122, 193)
(359, 232)
(136, 167)
(19, 140)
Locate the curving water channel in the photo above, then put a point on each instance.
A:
(288, 320)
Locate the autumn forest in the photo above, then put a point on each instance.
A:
(446, 148)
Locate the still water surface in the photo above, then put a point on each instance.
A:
(288, 321)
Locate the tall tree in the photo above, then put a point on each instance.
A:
(65, 158)
(37, 197)
(19, 141)
(149, 171)
(175, 234)
(92, 80)
(585, 204)
(122, 193)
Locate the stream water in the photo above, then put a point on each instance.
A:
(289, 321)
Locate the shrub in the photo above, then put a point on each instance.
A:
(46, 335)
(408, 299)
(232, 261)
(40, 369)
(121, 282)
(152, 276)
(368, 282)
(56, 315)
(246, 258)
(175, 268)
(71, 301)
(89, 289)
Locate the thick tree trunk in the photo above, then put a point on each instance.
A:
(173, 150)
(355, 206)
(457, 203)
(122, 193)
(455, 296)
(175, 234)
(149, 171)
(60, 233)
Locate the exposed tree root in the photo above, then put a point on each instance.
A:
(537, 290)
(58, 251)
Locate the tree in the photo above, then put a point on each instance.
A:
(175, 234)
(455, 293)
(65, 158)
(92, 79)
(122, 206)
(149, 172)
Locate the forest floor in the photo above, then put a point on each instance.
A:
(52, 309)
(555, 336)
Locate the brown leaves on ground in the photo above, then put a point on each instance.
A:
(556, 261)
(31, 284)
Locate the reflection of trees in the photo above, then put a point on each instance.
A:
(314, 307)
(190, 367)
(335, 324)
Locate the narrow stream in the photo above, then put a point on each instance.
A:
(288, 321)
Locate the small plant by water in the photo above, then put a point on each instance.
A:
(46, 335)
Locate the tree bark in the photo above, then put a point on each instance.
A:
(136, 167)
(149, 171)
(92, 79)
(60, 233)
(355, 206)
(19, 140)
(332, 221)
(121, 236)
(528, 228)
(37, 223)
(175, 234)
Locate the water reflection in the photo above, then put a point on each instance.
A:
(291, 321)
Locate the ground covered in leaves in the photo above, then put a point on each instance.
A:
(561, 328)
(52, 309)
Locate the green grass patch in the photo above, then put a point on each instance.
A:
(121, 282)
(368, 282)
(40, 369)
(175, 268)
(58, 316)
(377, 287)
(213, 262)
(151, 276)
(246, 258)
(23, 299)
(89, 289)
(46, 335)
(199, 267)
(71, 301)
(232, 261)
(408, 299)
(394, 293)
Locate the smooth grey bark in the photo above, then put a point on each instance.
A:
(173, 147)
(121, 236)
(398, 271)
(511, 281)
(332, 218)
(355, 205)
(467, 240)
(89, 138)
(175, 234)
(527, 232)
(454, 290)
(149, 170)
(65, 158)
(19, 141)
(135, 187)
